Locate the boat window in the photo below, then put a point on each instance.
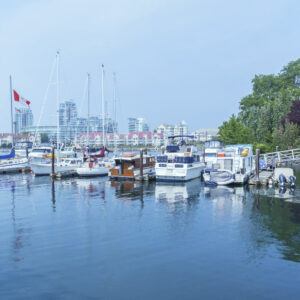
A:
(228, 164)
(178, 166)
(162, 165)
(210, 154)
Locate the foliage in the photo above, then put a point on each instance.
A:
(294, 114)
(287, 136)
(234, 132)
(274, 101)
(45, 138)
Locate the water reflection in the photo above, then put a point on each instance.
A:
(179, 197)
(280, 219)
(132, 190)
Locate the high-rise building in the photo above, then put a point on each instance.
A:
(137, 125)
(23, 119)
(67, 121)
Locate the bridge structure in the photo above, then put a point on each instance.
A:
(274, 158)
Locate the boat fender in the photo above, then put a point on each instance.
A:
(292, 180)
(90, 165)
(282, 179)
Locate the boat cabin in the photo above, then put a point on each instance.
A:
(129, 166)
(235, 158)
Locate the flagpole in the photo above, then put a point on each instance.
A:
(88, 120)
(11, 110)
(103, 112)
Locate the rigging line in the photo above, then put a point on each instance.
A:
(45, 97)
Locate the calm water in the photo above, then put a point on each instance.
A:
(89, 239)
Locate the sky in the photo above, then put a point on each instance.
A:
(175, 60)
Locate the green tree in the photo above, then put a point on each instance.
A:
(287, 136)
(234, 132)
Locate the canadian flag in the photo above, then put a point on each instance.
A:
(20, 99)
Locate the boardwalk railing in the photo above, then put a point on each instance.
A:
(273, 158)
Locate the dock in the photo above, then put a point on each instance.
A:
(65, 174)
(262, 179)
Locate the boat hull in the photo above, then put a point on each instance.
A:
(136, 173)
(13, 166)
(46, 169)
(172, 174)
(92, 172)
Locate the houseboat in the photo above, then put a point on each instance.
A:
(210, 152)
(234, 165)
(129, 166)
(179, 162)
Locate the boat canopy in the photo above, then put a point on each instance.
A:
(10, 155)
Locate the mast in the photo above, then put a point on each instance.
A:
(11, 110)
(103, 109)
(88, 120)
(114, 110)
(57, 103)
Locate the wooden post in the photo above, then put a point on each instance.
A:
(27, 152)
(141, 162)
(257, 163)
(53, 162)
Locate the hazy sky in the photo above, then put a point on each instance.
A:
(175, 60)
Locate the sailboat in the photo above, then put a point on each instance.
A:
(44, 167)
(96, 165)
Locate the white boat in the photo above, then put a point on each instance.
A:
(10, 164)
(234, 166)
(13, 165)
(39, 153)
(65, 165)
(179, 162)
(93, 168)
(210, 152)
(22, 149)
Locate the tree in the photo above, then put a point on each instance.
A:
(45, 138)
(294, 115)
(287, 136)
(234, 132)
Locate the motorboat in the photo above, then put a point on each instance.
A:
(179, 162)
(129, 166)
(234, 166)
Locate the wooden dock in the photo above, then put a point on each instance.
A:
(263, 179)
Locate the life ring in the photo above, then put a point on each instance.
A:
(90, 165)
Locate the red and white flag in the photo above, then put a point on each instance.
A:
(20, 99)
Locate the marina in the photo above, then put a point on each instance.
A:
(149, 150)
